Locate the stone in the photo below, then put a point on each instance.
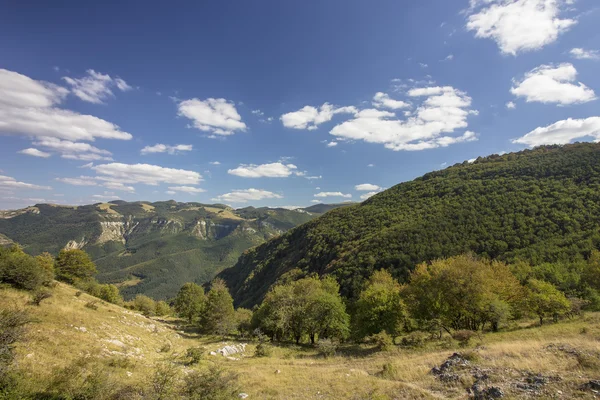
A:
(277, 371)
(232, 349)
(243, 395)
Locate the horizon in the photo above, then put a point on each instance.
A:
(279, 104)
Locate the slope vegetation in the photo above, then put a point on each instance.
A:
(540, 205)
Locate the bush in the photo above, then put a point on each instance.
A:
(72, 266)
(165, 348)
(144, 304)
(163, 384)
(12, 330)
(110, 294)
(120, 362)
(389, 371)
(194, 354)
(40, 295)
(263, 349)
(414, 339)
(162, 308)
(93, 305)
(21, 270)
(327, 348)
(463, 337)
(383, 341)
(214, 384)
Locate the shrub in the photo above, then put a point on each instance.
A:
(414, 339)
(40, 295)
(93, 305)
(194, 354)
(214, 384)
(383, 341)
(12, 329)
(463, 337)
(144, 304)
(165, 348)
(389, 371)
(21, 270)
(163, 384)
(72, 266)
(327, 347)
(83, 379)
(162, 308)
(78, 293)
(110, 294)
(263, 349)
(120, 362)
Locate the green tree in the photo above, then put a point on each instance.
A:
(219, 315)
(379, 306)
(162, 308)
(144, 304)
(110, 293)
(21, 270)
(190, 301)
(74, 266)
(243, 321)
(546, 300)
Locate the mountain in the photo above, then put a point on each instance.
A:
(540, 205)
(150, 248)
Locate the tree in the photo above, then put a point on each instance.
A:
(462, 292)
(144, 304)
(46, 262)
(162, 308)
(545, 300)
(21, 270)
(219, 314)
(190, 301)
(74, 266)
(243, 321)
(379, 306)
(110, 293)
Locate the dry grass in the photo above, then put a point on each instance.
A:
(107, 207)
(132, 344)
(147, 207)
(223, 213)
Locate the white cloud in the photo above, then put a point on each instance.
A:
(217, 116)
(582, 54)
(423, 65)
(95, 87)
(106, 196)
(7, 182)
(35, 153)
(246, 195)
(215, 163)
(313, 177)
(553, 84)
(186, 189)
(563, 132)
(310, 118)
(272, 170)
(511, 105)
(366, 187)
(471, 160)
(88, 165)
(449, 57)
(258, 112)
(163, 148)
(519, 25)
(443, 111)
(73, 150)
(370, 165)
(383, 100)
(170, 192)
(332, 144)
(333, 194)
(146, 174)
(81, 181)
(118, 186)
(367, 195)
(29, 108)
(315, 201)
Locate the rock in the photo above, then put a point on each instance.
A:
(443, 371)
(212, 353)
(243, 395)
(232, 349)
(129, 374)
(277, 371)
(593, 385)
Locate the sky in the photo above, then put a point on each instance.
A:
(281, 103)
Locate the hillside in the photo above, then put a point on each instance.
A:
(540, 205)
(149, 248)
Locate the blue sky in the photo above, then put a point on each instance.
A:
(298, 102)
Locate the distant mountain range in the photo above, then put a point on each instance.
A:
(540, 205)
(151, 248)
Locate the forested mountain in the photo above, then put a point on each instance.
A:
(149, 248)
(540, 205)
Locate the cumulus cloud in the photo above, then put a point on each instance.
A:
(366, 187)
(383, 100)
(553, 84)
(163, 148)
(511, 105)
(217, 116)
(81, 181)
(582, 54)
(519, 25)
(333, 194)
(310, 118)
(563, 132)
(106, 196)
(30, 108)
(35, 153)
(272, 170)
(186, 189)
(73, 150)
(215, 163)
(246, 195)
(95, 87)
(332, 144)
(146, 174)
(7, 182)
(444, 111)
(118, 186)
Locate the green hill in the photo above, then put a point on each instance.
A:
(149, 248)
(540, 205)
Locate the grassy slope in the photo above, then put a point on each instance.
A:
(540, 205)
(54, 341)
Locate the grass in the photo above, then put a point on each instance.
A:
(130, 346)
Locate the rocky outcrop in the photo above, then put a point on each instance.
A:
(111, 231)
(76, 245)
